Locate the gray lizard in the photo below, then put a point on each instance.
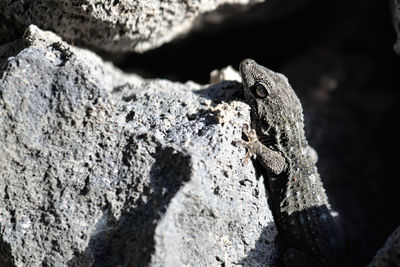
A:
(389, 254)
(297, 198)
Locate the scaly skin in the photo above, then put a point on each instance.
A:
(299, 204)
(389, 254)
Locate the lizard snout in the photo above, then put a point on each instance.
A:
(246, 64)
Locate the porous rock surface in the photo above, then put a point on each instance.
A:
(114, 26)
(102, 168)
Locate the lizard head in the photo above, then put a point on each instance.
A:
(274, 104)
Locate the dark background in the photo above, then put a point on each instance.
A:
(339, 58)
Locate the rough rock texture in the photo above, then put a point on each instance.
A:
(389, 254)
(99, 167)
(115, 26)
(395, 6)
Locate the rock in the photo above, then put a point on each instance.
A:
(114, 26)
(389, 254)
(103, 168)
(227, 73)
(395, 6)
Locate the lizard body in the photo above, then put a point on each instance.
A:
(299, 203)
(389, 254)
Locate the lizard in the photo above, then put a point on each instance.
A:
(389, 254)
(276, 138)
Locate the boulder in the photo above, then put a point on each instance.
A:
(99, 167)
(113, 26)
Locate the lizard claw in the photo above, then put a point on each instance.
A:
(250, 133)
(249, 152)
(247, 157)
(252, 136)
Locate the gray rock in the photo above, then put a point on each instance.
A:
(98, 167)
(114, 26)
(395, 6)
(389, 254)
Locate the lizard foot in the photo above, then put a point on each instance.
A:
(270, 159)
(249, 145)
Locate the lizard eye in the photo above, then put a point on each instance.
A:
(261, 90)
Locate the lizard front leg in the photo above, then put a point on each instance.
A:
(271, 160)
(274, 162)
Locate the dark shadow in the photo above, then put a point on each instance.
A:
(6, 258)
(260, 253)
(10, 50)
(130, 240)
